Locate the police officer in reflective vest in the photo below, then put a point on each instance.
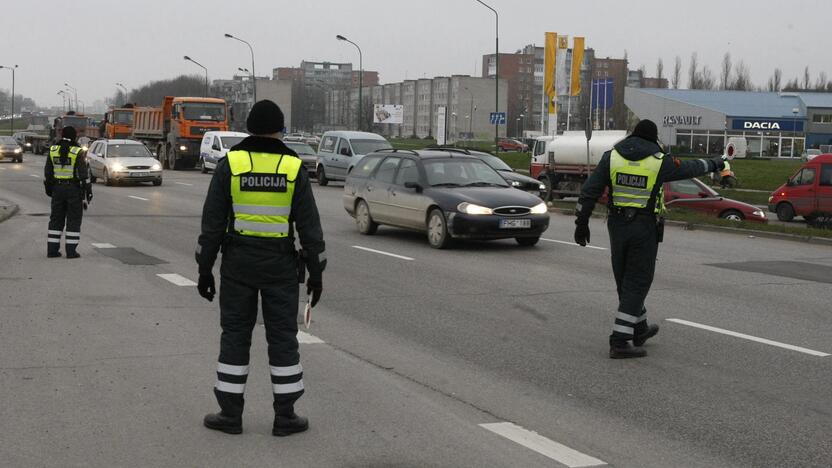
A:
(258, 198)
(725, 173)
(634, 171)
(65, 180)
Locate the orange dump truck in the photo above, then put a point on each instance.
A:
(118, 122)
(174, 131)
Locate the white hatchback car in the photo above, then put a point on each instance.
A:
(215, 146)
(115, 161)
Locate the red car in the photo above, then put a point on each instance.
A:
(694, 195)
(507, 144)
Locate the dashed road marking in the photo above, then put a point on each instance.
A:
(178, 280)
(381, 252)
(572, 244)
(34, 175)
(306, 338)
(546, 447)
(750, 337)
(183, 183)
(138, 198)
(103, 246)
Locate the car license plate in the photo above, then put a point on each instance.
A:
(515, 223)
(139, 174)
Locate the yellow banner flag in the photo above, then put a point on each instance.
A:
(549, 52)
(577, 60)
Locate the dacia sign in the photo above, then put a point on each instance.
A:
(768, 125)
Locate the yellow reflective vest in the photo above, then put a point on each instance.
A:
(262, 186)
(64, 172)
(633, 181)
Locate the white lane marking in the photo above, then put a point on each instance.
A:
(34, 175)
(546, 447)
(138, 198)
(572, 244)
(183, 183)
(749, 337)
(381, 252)
(178, 280)
(103, 246)
(306, 338)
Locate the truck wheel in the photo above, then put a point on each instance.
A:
(546, 194)
(322, 180)
(785, 212)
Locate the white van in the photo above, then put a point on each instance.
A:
(214, 147)
(339, 151)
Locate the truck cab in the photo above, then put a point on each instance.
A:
(807, 193)
(188, 119)
(118, 122)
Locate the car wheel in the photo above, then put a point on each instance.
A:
(364, 220)
(157, 182)
(785, 212)
(732, 215)
(107, 180)
(527, 241)
(202, 166)
(546, 194)
(438, 236)
(322, 180)
(19, 160)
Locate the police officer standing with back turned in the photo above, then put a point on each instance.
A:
(634, 171)
(65, 180)
(257, 198)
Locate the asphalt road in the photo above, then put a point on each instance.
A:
(485, 355)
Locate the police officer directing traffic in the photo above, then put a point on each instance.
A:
(634, 171)
(258, 197)
(65, 180)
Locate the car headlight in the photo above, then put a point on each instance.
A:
(116, 167)
(542, 187)
(183, 148)
(515, 183)
(156, 167)
(770, 199)
(471, 209)
(540, 209)
(28, 145)
(85, 147)
(759, 213)
(17, 150)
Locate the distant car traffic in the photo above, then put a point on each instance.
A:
(693, 194)
(9, 148)
(810, 154)
(508, 144)
(215, 146)
(517, 180)
(444, 194)
(115, 161)
(340, 151)
(807, 193)
(307, 155)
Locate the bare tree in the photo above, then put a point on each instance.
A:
(660, 69)
(706, 78)
(725, 76)
(693, 72)
(742, 78)
(820, 85)
(793, 85)
(807, 80)
(776, 80)
(677, 73)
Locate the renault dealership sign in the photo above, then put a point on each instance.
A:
(682, 120)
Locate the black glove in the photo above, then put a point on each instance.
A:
(206, 286)
(89, 194)
(719, 163)
(48, 189)
(315, 287)
(582, 232)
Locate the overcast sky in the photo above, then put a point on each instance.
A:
(93, 44)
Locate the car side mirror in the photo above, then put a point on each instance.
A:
(414, 186)
(345, 152)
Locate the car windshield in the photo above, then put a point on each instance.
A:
(128, 151)
(300, 148)
(495, 162)
(462, 173)
(368, 146)
(123, 117)
(7, 140)
(203, 111)
(229, 141)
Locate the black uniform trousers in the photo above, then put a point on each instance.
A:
(67, 211)
(238, 317)
(634, 246)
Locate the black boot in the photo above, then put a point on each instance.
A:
(285, 425)
(644, 335)
(224, 423)
(53, 254)
(72, 251)
(624, 350)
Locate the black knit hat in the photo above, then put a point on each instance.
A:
(265, 117)
(69, 133)
(647, 130)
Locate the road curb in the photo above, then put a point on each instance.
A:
(7, 210)
(707, 227)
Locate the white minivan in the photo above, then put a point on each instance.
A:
(214, 147)
(339, 151)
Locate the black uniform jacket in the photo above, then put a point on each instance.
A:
(259, 261)
(636, 149)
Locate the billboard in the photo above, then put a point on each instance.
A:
(388, 114)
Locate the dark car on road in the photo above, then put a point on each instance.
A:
(9, 148)
(306, 153)
(517, 180)
(444, 193)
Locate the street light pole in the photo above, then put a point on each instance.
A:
(12, 69)
(75, 92)
(496, 72)
(253, 76)
(360, 79)
(123, 88)
(62, 93)
(206, 72)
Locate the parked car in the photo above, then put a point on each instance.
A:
(215, 146)
(307, 155)
(442, 193)
(298, 137)
(340, 151)
(810, 154)
(807, 193)
(9, 148)
(695, 195)
(115, 161)
(509, 144)
(517, 180)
